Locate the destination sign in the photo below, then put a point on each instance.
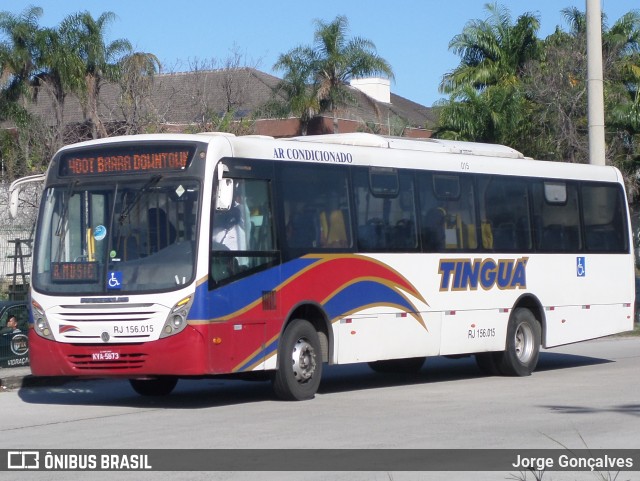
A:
(74, 271)
(125, 161)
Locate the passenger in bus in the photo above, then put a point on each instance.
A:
(434, 230)
(333, 231)
(161, 231)
(227, 231)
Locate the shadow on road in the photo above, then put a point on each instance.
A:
(212, 392)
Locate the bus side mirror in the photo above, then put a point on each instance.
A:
(224, 195)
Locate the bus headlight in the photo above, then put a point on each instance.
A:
(40, 323)
(177, 318)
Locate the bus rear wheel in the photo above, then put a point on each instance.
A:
(159, 386)
(522, 349)
(299, 362)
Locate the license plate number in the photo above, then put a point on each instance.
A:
(105, 356)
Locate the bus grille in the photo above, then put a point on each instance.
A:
(124, 362)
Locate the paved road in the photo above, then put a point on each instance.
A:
(582, 396)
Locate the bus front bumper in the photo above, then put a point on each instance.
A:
(181, 355)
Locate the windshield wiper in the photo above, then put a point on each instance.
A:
(127, 208)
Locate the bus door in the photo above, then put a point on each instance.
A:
(244, 307)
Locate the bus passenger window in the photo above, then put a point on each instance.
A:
(316, 207)
(556, 221)
(504, 207)
(447, 212)
(385, 210)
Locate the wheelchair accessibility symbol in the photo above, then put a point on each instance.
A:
(581, 269)
(115, 280)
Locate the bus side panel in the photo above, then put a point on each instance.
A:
(375, 335)
(584, 296)
(237, 346)
(472, 331)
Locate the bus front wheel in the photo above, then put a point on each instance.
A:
(522, 349)
(159, 386)
(299, 362)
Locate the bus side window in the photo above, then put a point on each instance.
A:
(447, 202)
(315, 201)
(557, 220)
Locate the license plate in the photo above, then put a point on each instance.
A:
(105, 356)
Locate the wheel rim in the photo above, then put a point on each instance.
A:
(303, 359)
(524, 343)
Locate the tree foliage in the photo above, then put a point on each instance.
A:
(48, 65)
(316, 77)
(531, 94)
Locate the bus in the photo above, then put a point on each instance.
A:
(168, 256)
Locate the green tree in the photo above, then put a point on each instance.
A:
(486, 99)
(492, 51)
(556, 84)
(301, 95)
(60, 74)
(18, 68)
(328, 66)
(86, 36)
(17, 56)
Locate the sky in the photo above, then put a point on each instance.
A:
(412, 35)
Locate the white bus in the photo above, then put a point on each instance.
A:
(159, 257)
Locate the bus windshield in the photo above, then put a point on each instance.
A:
(130, 237)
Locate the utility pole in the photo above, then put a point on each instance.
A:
(595, 90)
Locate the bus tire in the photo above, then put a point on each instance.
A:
(299, 362)
(522, 348)
(159, 386)
(410, 365)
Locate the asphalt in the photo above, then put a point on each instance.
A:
(19, 377)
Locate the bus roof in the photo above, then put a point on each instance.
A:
(447, 155)
(423, 145)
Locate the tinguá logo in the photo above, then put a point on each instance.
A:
(469, 274)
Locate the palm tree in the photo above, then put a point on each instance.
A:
(99, 59)
(17, 64)
(301, 96)
(18, 68)
(61, 73)
(331, 63)
(486, 100)
(493, 51)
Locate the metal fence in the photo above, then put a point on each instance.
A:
(15, 261)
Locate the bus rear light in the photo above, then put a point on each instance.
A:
(217, 340)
